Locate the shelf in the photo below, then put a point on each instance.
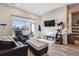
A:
(75, 33)
(75, 27)
(75, 30)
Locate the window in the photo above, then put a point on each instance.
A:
(18, 23)
(25, 25)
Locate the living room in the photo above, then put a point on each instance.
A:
(38, 29)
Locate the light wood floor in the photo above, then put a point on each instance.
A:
(61, 50)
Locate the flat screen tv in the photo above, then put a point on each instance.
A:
(49, 23)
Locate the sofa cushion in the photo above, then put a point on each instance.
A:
(6, 45)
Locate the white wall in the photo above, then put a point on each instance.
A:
(57, 15)
(6, 13)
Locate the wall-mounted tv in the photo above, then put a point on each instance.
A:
(49, 23)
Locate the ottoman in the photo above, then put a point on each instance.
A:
(37, 47)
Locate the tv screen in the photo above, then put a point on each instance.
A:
(49, 23)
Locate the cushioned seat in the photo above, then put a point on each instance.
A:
(8, 47)
(38, 47)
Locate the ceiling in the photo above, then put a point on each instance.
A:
(38, 8)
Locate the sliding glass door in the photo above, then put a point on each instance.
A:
(27, 26)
